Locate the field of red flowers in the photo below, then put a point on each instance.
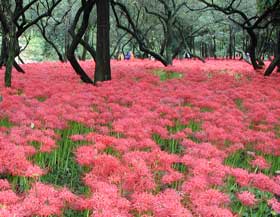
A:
(192, 139)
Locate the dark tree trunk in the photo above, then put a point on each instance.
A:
(252, 48)
(3, 55)
(10, 59)
(193, 46)
(278, 48)
(103, 68)
(243, 42)
(86, 9)
(169, 42)
(230, 50)
(86, 39)
(214, 47)
(272, 66)
(9, 32)
(201, 50)
(67, 35)
(234, 45)
(276, 61)
(51, 43)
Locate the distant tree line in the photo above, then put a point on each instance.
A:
(163, 29)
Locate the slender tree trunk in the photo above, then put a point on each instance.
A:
(230, 43)
(67, 35)
(169, 42)
(86, 39)
(103, 68)
(193, 46)
(278, 48)
(234, 45)
(214, 47)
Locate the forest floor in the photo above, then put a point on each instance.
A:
(191, 139)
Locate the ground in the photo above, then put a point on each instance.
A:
(191, 139)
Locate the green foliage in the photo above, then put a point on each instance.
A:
(195, 126)
(41, 98)
(19, 184)
(63, 169)
(5, 122)
(239, 104)
(242, 159)
(34, 51)
(180, 167)
(264, 4)
(177, 127)
(206, 109)
(166, 75)
(172, 146)
(112, 151)
(75, 213)
(260, 210)
(239, 159)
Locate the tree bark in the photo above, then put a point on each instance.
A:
(3, 50)
(214, 47)
(9, 30)
(278, 48)
(169, 42)
(77, 37)
(230, 50)
(252, 48)
(103, 68)
(276, 61)
(86, 39)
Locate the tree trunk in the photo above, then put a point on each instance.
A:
(77, 38)
(252, 48)
(10, 59)
(278, 48)
(169, 43)
(276, 62)
(9, 32)
(193, 45)
(86, 39)
(68, 22)
(230, 52)
(103, 67)
(3, 55)
(234, 45)
(214, 47)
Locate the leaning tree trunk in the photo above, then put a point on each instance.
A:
(276, 61)
(103, 68)
(77, 38)
(252, 48)
(86, 39)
